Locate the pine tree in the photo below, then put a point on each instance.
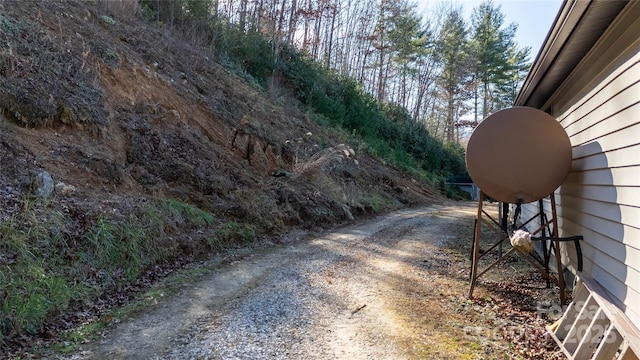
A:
(490, 50)
(452, 49)
(407, 39)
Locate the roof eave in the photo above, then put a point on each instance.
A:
(567, 18)
(576, 29)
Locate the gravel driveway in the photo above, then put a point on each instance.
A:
(336, 296)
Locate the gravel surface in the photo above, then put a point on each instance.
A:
(384, 289)
(324, 305)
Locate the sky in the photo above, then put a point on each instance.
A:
(534, 17)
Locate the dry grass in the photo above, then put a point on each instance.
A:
(500, 322)
(323, 160)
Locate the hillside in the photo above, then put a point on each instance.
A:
(150, 141)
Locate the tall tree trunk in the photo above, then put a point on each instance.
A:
(306, 27)
(243, 15)
(280, 28)
(259, 15)
(475, 99)
(293, 21)
(450, 117)
(381, 75)
(316, 40)
(403, 92)
(485, 99)
(214, 14)
(330, 45)
(363, 67)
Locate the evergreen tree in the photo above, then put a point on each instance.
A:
(453, 56)
(407, 38)
(516, 72)
(490, 48)
(382, 45)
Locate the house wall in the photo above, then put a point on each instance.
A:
(599, 107)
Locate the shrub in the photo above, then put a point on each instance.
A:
(251, 51)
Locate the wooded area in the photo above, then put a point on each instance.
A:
(447, 73)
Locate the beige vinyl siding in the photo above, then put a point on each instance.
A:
(599, 107)
(620, 93)
(613, 263)
(603, 214)
(627, 176)
(615, 158)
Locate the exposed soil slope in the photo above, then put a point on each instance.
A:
(119, 109)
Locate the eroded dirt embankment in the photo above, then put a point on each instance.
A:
(393, 287)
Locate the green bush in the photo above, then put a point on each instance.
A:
(250, 50)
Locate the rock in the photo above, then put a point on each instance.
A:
(282, 173)
(65, 189)
(242, 141)
(44, 185)
(347, 212)
(257, 158)
(66, 115)
(274, 160)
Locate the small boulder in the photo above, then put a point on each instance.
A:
(43, 185)
(65, 189)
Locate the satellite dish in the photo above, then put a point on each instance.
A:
(518, 155)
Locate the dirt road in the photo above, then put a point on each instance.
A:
(390, 288)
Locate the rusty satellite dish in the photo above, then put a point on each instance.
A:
(518, 155)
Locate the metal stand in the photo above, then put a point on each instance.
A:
(549, 226)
